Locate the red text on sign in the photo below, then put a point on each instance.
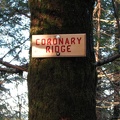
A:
(63, 48)
(60, 41)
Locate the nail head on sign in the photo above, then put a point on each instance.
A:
(57, 54)
(57, 36)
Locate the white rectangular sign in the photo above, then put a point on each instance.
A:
(59, 45)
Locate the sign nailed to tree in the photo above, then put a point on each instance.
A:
(59, 45)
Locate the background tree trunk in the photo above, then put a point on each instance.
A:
(62, 88)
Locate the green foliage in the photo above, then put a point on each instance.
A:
(110, 72)
(13, 28)
(14, 46)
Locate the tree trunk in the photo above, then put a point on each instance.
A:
(62, 88)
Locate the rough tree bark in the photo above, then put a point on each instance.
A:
(62, 88)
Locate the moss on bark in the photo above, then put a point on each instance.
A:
(62, 87)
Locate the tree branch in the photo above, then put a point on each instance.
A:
(116, 15)
(23, 13)
(109, 59)
(15, 68)
(9, 70)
